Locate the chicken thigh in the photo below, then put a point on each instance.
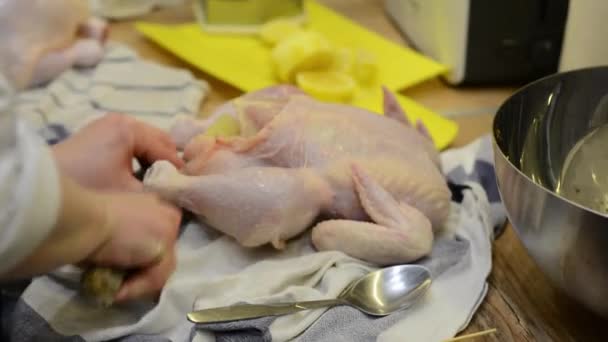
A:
(369, 184)
(41, 39)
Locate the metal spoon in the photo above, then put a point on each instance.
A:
(378, 293)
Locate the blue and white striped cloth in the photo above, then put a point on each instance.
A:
(213, 271)
(121, 82)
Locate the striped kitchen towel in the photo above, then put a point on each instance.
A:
(121, 82)
(214, 271)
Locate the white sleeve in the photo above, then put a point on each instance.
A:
(29, 186)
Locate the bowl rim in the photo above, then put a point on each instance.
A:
(518, 170)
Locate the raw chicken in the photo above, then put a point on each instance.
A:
(371, 183)
(41, 39)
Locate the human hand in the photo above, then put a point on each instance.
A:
(100, 155)
(141, 228)
(134, 232)
(141, 236)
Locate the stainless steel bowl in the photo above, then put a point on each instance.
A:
(534, 130)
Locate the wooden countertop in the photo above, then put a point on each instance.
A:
(521, 303)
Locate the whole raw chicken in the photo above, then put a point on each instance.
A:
(370, 184)
(42, 38)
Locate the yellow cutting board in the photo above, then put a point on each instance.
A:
(245, 62)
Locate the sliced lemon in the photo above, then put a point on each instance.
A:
(327, 85)
(302, 51)
(277, 30)
(343, 60)
(365, 68)
(224, 126)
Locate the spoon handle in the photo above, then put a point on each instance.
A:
(248, 311)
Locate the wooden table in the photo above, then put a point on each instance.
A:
(521, 303)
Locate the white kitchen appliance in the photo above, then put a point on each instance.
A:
(511, 41)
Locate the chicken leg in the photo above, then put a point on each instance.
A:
(401, 233)
(254, 205)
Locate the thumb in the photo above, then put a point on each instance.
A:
(133, 184)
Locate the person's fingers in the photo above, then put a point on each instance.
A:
(142, 233)
(149, 281)
(169, 211)
(144, 251)
(151, 148)
(153, 144)
(171, 229)
(132, 184)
